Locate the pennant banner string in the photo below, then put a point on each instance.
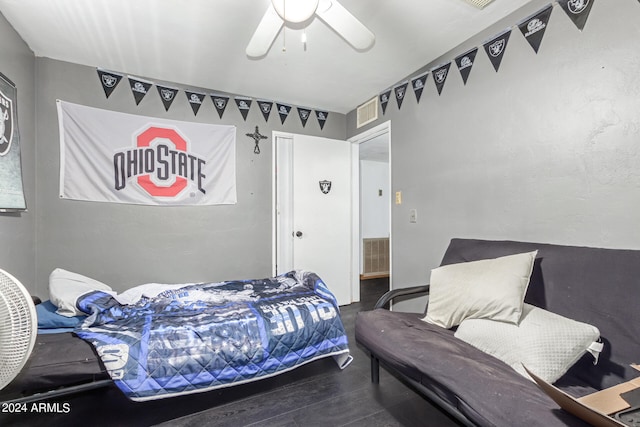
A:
(139, 88)
(417, 83)
(167, 95)
(244, 105)
(465, 63)
(304, 114)
(532, 28)
(220, 102)
(195, 100)
(400, 91)
(384, 100)
(496, 47)
(109, 80)
(265, 108)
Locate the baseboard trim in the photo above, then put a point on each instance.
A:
(368, 276)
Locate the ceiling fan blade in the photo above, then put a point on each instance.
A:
(265, 33)
(345, 24)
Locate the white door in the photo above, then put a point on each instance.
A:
(314, 210)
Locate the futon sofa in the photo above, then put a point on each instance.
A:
(600, 287)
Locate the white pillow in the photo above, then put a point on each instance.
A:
(491, 288)
(546, 343)
(65, 287)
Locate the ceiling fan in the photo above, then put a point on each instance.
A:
(299, 11)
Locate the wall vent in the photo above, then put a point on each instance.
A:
(480, 4)
(367, 112)
(376, 257)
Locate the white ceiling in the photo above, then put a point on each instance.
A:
(201, 43)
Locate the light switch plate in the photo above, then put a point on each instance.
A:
(413, 215)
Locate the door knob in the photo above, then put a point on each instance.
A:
(298, 233)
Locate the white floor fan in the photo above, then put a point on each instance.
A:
(18, 327)
(331, 12)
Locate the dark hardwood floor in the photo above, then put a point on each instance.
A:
(316, 394)
(321, 395)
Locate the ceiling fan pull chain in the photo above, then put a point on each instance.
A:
(304, 39)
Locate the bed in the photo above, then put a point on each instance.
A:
(158, 341)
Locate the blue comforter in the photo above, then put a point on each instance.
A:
(206, 336)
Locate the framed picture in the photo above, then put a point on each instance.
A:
(11, 190)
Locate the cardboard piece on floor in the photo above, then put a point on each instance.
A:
(594, 408)
(608, 401)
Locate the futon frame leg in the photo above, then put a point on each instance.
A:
(375, 370)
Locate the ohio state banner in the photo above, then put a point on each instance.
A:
(107, 156)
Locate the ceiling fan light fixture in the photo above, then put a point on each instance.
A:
(295, 11)
(331, 12)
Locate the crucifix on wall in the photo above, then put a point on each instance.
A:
(256, 138)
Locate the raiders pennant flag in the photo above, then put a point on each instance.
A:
(265, 108)
(577, 10)
(304, 114)
(465, 62)
(440, 76)
(400, 92)
(322, 118)
(495, 48)
(283, 111)
(417, 83)
(167, 95)
(195, 100)
(139, 88)
(244, 104)
(533, 27)
(220, 102)
(384, 100)
(108, 80)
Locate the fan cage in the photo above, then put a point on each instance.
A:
(18, 323)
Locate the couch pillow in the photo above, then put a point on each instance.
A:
(546, 343)
(491, 288)
(65, 287)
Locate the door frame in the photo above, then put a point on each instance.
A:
(279, 212)
(355, 202)
(381, 129)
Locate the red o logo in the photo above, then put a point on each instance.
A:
(144, 140)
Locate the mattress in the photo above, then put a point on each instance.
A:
(57, 360)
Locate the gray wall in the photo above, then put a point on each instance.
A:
(547, 149)
(125, 245)
(17, 230)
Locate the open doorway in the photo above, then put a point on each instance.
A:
(374, 168)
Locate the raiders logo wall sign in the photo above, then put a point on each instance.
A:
(6, 123)
(325, 186)
(11, 189)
